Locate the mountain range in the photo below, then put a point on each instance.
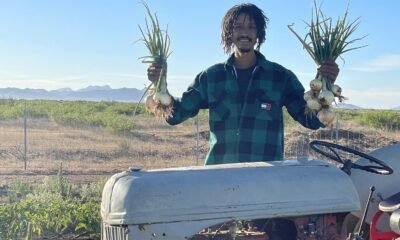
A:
(98, 93)
(90, 93)
(346, 106)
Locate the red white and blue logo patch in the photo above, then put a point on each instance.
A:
(266, 106)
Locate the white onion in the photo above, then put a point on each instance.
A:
(336, 90)
(326, 97)
(308, 95)
(326, 116)
(162, 98)
(313, 104)
(316, 84)
(150, 103)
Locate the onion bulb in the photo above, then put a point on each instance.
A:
(316, 84)
(150, 103)
(162, 98)
(313, 104)
(326, 116)
(326, 97)
(336, 90)
(309, 94)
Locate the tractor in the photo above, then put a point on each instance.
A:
(302, 199)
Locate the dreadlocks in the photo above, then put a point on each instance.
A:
(256, 14)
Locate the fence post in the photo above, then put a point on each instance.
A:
(337, 129)
(197, 139)
(25, 137)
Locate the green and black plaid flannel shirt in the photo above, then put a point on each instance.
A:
(250, 131)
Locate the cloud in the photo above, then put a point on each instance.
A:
(383, 63)
(45, 82)
(14, 75)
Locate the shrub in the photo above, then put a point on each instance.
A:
(55, 209)
(382, 119)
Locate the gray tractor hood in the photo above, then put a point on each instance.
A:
(230, 191)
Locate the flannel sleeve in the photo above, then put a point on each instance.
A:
(192, 100)
(295, 103)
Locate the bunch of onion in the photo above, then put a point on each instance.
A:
(325, 41)
(157, 41)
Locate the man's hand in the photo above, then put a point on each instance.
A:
(154, 72)
(329, 69)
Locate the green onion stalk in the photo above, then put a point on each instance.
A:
(157, 41)
(326, 40)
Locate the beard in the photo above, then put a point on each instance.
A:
(244, 50)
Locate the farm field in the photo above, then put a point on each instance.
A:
(89, 154)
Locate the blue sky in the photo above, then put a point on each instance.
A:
(77, 43)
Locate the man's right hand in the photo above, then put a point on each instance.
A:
(154, 72)
(329, 69)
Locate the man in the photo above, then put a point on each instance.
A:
(245, 94)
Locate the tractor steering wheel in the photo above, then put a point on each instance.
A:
(379, 167)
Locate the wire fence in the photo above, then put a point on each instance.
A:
(37, 146)
(361, 139)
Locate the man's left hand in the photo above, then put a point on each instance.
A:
(329, 69)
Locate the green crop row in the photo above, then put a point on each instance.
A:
(118, 116)
(113, 116)
(380, 119)
(55, 209)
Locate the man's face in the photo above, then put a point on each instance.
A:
(244, 35)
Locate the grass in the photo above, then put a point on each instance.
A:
(112, 116)
(380, 119)
(88, 154)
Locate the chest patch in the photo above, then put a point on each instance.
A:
(266, 106)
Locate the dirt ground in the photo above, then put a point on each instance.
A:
(91, 154)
